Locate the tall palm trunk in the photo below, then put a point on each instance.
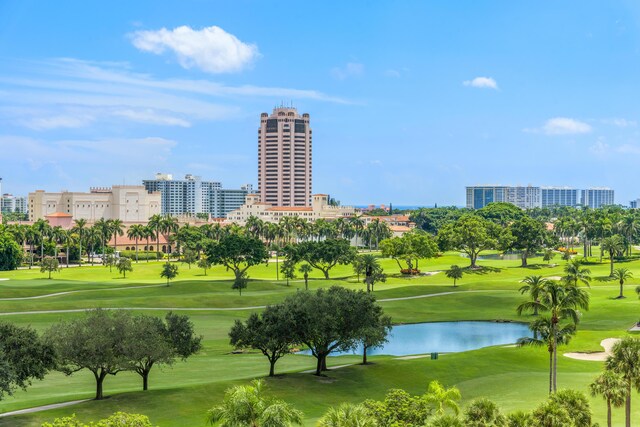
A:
(627, 406)
(608, 412)
(136, 249)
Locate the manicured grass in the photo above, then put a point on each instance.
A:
(516, 378)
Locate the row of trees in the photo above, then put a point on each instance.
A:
(248, 405)
(105, 342)
(325, 321)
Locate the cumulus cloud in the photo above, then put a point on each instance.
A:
(351, 69)
(562, 126)
(482, 82)
(210, 49)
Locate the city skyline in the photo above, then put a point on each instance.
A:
(421, 101)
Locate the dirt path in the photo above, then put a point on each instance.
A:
(57, 294)
(42, 408)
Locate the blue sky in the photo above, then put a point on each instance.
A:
(409, 100)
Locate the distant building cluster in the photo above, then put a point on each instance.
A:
(12, 204)
(529, 197)
(192, 195)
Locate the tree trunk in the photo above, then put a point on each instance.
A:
(324, 363)
(326, 273)
(608, 412)
(319, 365)
(364, 355)
(627, 406)
(272, 367)
(550, 372)
(99, 380)
(524, 259)
(621, 289)
(611, 259)
(145, 380)
(555, 365)
(306, 282)
(136, 250)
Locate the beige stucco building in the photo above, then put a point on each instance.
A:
(319, 208)
(128, 203)
(284, 158)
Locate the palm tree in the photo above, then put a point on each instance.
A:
(136, 231)
(613, 245)
(441, 398)
(625, 361)
(306, 269)
(155, 222)
(611, 387)
(149, 234)
(169, 225)
(68, 237)
(357, 224)
(454, 272)
(629, 225)
(621, 275)
(31, 236)
(117, 229)
(561, 301)
(347, 415)
(544, 335)
(56, 236)
(104, 228)
(79, 228)
(44, 229)
(533, 285)
(93, 236)
(575, 272)
(246, 405)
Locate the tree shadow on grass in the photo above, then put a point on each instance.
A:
(482, 270)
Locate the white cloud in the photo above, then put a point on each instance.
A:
(352, 69)
(482, 82)
(628, 149)
(600, 148)
(565, 126)
(210, 49)
(621, 123)
(152, 117)
(58, 122)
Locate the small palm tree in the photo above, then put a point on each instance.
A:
(575, 272)
(533, 285)
(246, 405)
(441, 398)
(613, 245)
(549, 254)
(306, 269)
(347, 415)
(483, 412)
(611, 387)
(621, 275)
(455, 273)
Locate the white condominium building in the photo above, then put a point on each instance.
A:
(284, 158)
(192, 195)
(535, 197)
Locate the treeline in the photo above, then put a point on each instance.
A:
(104, 342)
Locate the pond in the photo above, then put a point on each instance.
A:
(446, 337)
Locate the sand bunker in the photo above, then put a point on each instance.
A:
(607, 344)
(3, 278)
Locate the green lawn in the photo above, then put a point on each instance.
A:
(180, 395)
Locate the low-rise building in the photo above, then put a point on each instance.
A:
(320, 208)
(128, 203)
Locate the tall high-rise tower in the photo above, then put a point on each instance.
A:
(284, 158)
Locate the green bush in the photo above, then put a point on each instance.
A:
(142, 255)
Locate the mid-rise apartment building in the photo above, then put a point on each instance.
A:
(532, 197)
(128, 203)
(192, 195)
(284, 158)
(10, 203)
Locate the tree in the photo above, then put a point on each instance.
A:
(373, 271)
(625, 361)
(534, 286)
(551, 414)
(189, 256)
(576, 405)
(612, 388)
(484, 413)
(347, 415)
(237, 252)
(155, 224)
(23, 358)
(268, 332)
(288, 270)
(117, 229)
(621, 275)
(455, 273)
(411, 246)
(305, 269)
(240, 283)
(92, 342)
(399, 408)
(441, 398)
(150, 341)
(549, 255)
(613, 245)
(10, 252)
(204, 263)
(169, 271)
(49, 265)
(322, 255)
(329, 320)
(501, 213)
(561, 301)
(375, 335)
(550, 336)
(123, 265)
(575, 273)
(246, 405)
(445, 421)
(470, 234)
(136, 232)
(110, 260)
(527, 235)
